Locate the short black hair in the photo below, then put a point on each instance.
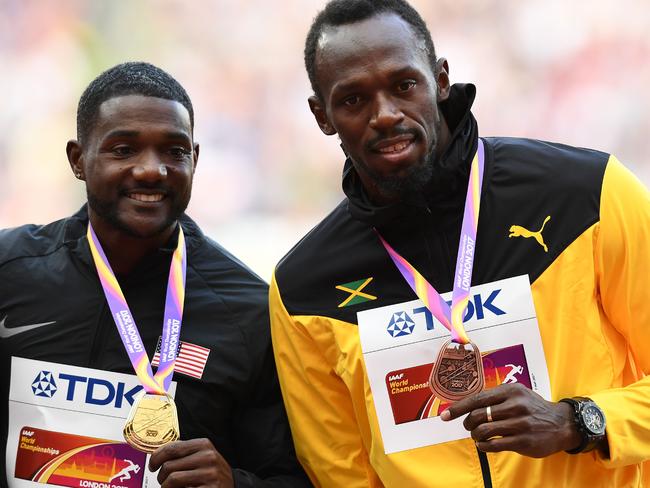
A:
(341, 12)
(132, 78)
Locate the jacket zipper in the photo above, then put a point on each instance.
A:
(485, 469)
(96, 344)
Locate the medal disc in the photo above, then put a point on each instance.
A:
(457, 372)
(152, 422)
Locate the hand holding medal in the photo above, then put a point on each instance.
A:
(153, 421)
(458, 370)
(515, 418)
(194, 462)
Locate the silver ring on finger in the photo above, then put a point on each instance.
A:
(488, 412)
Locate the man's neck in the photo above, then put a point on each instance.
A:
(124, 251)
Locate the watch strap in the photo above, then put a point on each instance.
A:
(578, 423)
(589, 441)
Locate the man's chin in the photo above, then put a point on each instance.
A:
(145, 230)
(401, 183)
(140, 228)
(136, 224)
(407, 185)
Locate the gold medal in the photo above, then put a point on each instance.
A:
(152, 422)
(458, 371)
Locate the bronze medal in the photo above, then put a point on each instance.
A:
(457, 372)
(152, 422)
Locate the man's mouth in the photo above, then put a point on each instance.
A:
(395, 148)
(393, 144)
(146, 197)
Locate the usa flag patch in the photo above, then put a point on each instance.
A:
(190, 359)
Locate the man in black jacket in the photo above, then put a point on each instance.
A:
(67, 384)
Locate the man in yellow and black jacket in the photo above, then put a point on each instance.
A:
(574, 220)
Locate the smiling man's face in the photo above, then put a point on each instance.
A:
(138, 163)
(379, 93)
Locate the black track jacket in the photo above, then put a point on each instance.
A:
(47, 275)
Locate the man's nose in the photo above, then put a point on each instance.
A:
(386, 113)
(150, 167)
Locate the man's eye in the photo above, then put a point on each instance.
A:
(352, 100)
(122, 151)
(405, 85)
(179, 152)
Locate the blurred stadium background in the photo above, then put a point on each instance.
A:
(573, 71)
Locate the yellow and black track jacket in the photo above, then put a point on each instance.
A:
(590, 279)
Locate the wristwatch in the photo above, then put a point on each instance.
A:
(590, 421)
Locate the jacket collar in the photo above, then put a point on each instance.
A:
(451, 174)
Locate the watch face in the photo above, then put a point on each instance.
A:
(594, 419)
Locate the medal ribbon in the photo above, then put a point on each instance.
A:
(451, 317)
(159, 383)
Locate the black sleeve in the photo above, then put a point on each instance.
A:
(261, 433)
(261, 448)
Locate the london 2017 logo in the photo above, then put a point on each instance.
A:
(44, 385)
(400, 325)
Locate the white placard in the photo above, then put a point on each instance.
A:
(65, 428)
(400, 342)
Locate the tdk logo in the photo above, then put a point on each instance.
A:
(44, 385)
(92, 391)
(476, 306)
(400, 325)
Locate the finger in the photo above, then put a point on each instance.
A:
(517, 443)
(175, 450)
(183, 479)
(187, 463)
(500, 428)
(486, 398)
(501, 411)
(482, 399)
(521, 406)
(480, 416)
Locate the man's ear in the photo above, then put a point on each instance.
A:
(196, 156)
(442, 79)
(316, 107)
(75, 158)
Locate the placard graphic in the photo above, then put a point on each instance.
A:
(76, 461)
(411, 397)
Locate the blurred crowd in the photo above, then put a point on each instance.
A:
(572, 71)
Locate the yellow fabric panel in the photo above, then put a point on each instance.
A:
(319, 407)
(584, 354)
(623, 274)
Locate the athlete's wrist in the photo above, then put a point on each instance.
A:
(570, 437)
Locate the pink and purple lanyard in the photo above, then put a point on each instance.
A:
(159, 383)
(451, 317)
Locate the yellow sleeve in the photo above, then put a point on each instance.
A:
(623, 267)
(325, 432)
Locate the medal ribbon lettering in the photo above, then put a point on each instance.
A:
(451, 317)
(159, 383)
